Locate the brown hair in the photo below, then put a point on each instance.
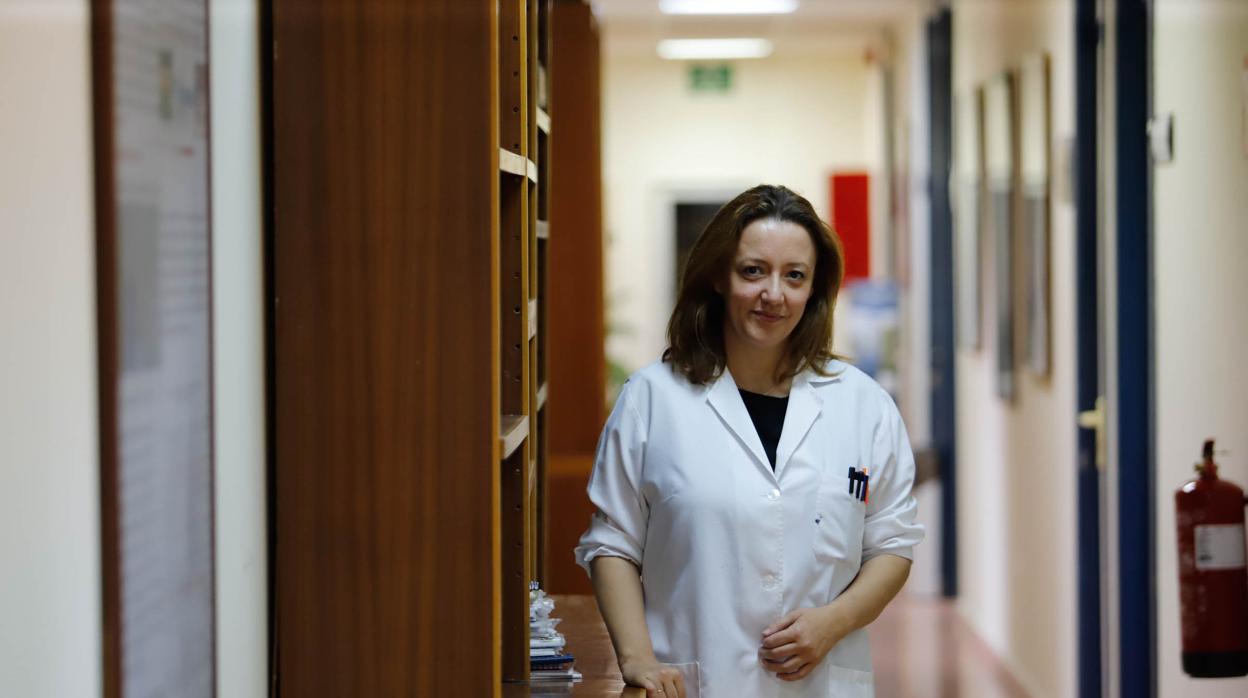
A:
(695, 332)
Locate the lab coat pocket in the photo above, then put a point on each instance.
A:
(838, 524)
(692, 677)
(850, 683)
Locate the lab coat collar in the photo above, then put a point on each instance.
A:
(804, 407)
(726, 399)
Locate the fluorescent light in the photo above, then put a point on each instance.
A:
(711, 49)
(727, 7)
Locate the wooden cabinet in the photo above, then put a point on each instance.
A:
(407, 189)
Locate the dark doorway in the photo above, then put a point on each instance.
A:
(691, 218)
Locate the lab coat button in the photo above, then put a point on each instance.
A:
(773, 495)
(769, 582)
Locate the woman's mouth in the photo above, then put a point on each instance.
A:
(767, 317)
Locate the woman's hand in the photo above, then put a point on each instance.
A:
(794, 645)
(659, 680)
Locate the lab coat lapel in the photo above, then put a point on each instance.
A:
(803, 410)
(726, 400)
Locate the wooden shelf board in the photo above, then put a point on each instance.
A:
(543, 230)
(531, 169)
(542, 393)
(532, 318)
(512, 163)
(514, 430)
(543, 121)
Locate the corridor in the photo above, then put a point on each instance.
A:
(337, 334)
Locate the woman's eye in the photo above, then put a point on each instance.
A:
(752, 270)
(797, 275)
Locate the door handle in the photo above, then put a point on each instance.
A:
(1095, 419)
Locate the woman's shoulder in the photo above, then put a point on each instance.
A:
(658, 376)
(840, 379)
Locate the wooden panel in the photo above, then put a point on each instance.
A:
(512, 51)
(567, 479)
(576, 375)
(515, 581)
(154, 296)
(577, 364)
(386, 347)
(513, 260)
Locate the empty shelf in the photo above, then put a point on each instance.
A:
(512, 163)
(514, 429)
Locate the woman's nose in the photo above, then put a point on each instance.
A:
(772, 289)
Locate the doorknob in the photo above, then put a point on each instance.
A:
(1095, 419)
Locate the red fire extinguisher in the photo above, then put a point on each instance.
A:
(1213, 578)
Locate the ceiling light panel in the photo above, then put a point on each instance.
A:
(713, 49)
(727, 7)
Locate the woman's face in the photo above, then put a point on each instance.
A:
(768, 284)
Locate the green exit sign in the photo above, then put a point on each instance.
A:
(710, 78)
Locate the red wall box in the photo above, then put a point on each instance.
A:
(850, 196)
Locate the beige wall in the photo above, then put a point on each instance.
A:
(238, 345)
(1016, 463)
(788, 120)
(1200, 207)
(49, 486)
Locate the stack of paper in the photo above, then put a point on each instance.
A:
(547, 659)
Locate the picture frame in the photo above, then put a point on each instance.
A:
(1036, 193)
(968, 200)
(1001, 175)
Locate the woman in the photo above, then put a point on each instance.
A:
(753, 492)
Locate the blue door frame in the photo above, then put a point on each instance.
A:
(944, 406)
(1133, 405)
(1088, 318)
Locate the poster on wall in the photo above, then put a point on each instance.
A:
(1243, 108)
(968, 181)
(156, 410)
(1000, 169)
(1035, 140)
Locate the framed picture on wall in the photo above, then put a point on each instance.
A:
(968, 180)
(1035, 148)
(1000, 173)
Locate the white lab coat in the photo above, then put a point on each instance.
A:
(726, 547)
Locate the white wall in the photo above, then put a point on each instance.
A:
(1200, 247)
(1016, 464)
(788, 120)
(238, 324)
(50, 625)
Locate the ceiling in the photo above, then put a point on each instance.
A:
(816, 27)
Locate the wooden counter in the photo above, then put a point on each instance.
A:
(595, 658)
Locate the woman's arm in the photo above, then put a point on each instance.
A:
(794, 645)
(617, 584)
(878, 581)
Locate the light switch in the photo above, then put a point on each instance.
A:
(1161, 138)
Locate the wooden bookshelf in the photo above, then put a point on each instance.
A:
(522, 250)
(410, 434)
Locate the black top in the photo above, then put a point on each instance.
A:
(767, 413)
